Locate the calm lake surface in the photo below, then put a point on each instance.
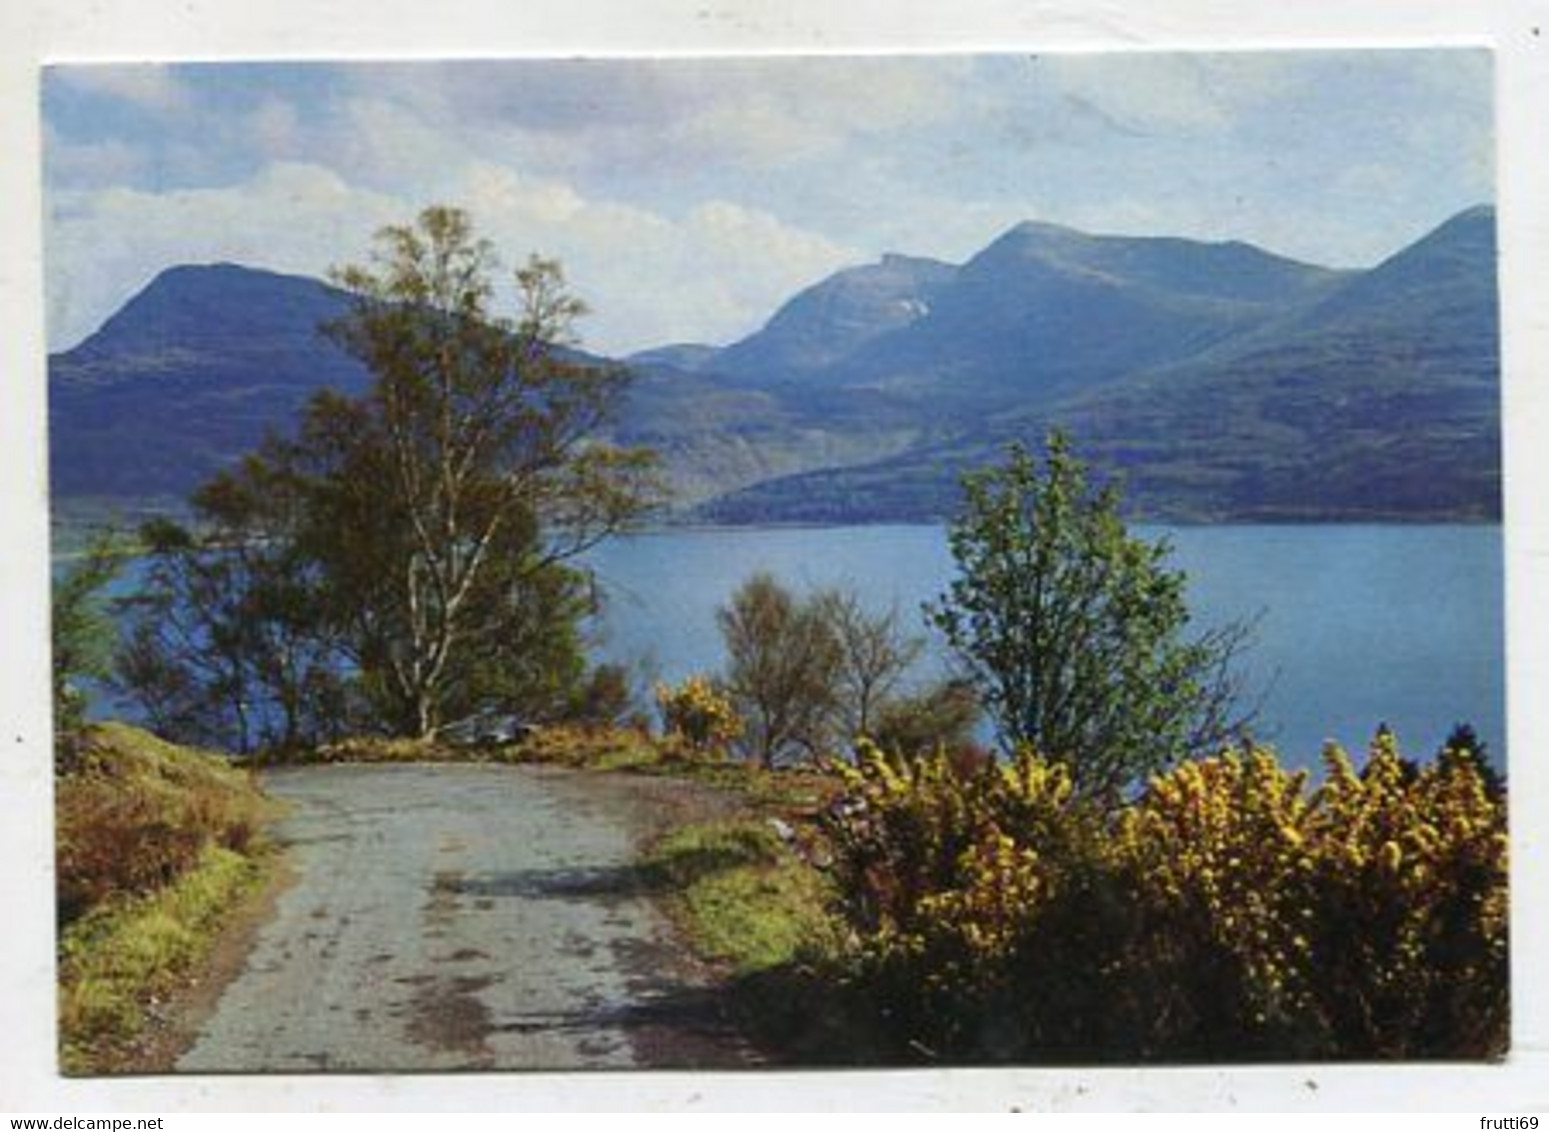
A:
(1359, 625)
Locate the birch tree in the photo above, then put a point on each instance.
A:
(450, 497)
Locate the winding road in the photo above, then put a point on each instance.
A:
(448, 917)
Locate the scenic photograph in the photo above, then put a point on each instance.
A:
(776, 562)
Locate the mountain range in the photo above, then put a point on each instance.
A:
(1222, 382)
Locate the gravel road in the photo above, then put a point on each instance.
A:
(449, 917)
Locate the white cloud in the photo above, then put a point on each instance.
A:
(104, 246)
(711, 274)
(602, 114)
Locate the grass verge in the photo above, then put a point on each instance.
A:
(753, 904)
(155, 846)
(117, 961)
(743, 897)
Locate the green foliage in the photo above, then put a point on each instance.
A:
(744, 897)
(1073, 631)
(1230, 912)
(943, 715)
(154, 845)
(403, 561)
(115, 960)
(446, 503)
(83, 634)
(606, 697)
(228, 639)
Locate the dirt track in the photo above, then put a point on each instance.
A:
(450, 917)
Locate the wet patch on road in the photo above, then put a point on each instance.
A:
(448, 1016)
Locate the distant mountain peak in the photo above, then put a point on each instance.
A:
(225, 272)
(1033, 236)
(1037, 229)
(834, 317)
(900, 261)
(190, 304)
(1472, 225)
(1482, 211)
(1230, 381)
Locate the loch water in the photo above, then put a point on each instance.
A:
(1356, 625)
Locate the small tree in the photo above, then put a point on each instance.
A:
(1074, 632)
(227, 642)
(83, 634)
(783, 672)
(874, 655)
(810, 674)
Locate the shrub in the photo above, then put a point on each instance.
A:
(137, 813)
(943, 715)
(590, 746)
(605, 698)
(1230, 912)
(698, 714)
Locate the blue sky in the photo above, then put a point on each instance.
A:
(688, 197)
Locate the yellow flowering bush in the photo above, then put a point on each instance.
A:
(943, 868)
(698, 714)
(1232, 910)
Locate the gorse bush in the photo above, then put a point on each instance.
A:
(1233, 910)
(698, 714)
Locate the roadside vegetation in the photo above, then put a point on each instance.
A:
(1230, 911)
(1120, 874)
(155, 846)
(749, 897)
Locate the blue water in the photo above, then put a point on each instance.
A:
(1357, 625)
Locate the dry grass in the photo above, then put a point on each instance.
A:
(136, 813)
(154, 845)
(588, 747)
